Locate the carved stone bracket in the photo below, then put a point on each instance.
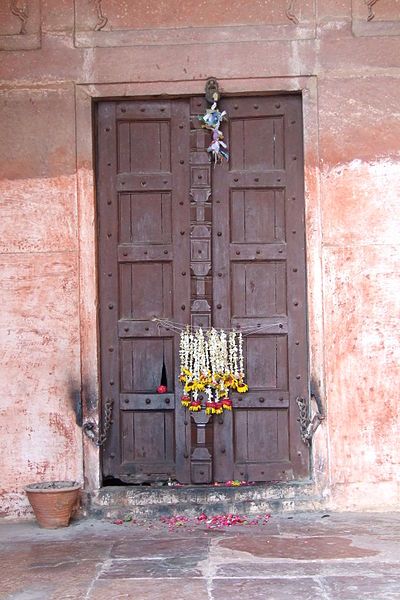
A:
(370, 4)
(21, 12)
(290, 12)
(102, 20)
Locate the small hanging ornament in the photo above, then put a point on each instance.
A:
(212, 120)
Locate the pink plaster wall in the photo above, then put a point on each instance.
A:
(47, 329)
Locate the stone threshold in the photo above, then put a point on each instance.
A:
(150, 502)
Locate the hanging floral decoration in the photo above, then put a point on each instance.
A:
(211, 365)
(212, 120)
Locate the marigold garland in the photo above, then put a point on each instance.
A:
(211, 363)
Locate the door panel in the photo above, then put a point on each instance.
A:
(260, 223)
(195, 244)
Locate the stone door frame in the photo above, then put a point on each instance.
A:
(86, 198)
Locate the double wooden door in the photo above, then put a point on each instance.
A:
(190, 243)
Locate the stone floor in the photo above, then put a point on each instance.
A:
(298, 556)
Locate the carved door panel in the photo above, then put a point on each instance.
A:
(143, 212)
(259, 281)
(191, 243)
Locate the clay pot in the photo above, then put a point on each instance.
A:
(53, 502)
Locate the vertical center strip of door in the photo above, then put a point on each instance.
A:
(200, 269)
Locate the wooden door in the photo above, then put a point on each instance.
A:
(224, 246)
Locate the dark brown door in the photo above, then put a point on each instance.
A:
(192, 243)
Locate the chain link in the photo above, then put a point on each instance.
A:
(308, 426)
(94, 432)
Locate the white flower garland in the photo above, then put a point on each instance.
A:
(211, 363)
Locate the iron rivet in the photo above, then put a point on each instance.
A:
(241, 472)
(108, 164)
(183, 307)
(126, 329)
(280, 251)
(125, 253)
(110, 274)
(145, 252)
(126, 400)
(184, 273)
(223, 450)
(181, 203)
(279, 179)
(294, 157)
(256, 106)
(262, 472)
(294, 270)
(236, 179)
(107, 129)
(219, 274)
(201, 472)
(142, 110)
(236, 107)
(293, 231)
(186, 455)
(277, 105)
(165, 251)
(297, 343)
(112, 455)
(111, 381)
(292, 122)
(111, 349)
(238, 252)
(199, 176)
(143, 183)
(258, 324)
(122, 182)
(108, 201)
(219, 305)
(298, 377)
(108, 234)
(182, 233)
(111, 305)
(146, 329)
(181, 162)
(280, 326)
(165, 182)
(162, 109)
(219, 233)
(256, 179)
(148, 400)
(123, 110)
(296, 303)
(261, 400)
(258, 251)
(199, 104)
(199, 251)
(167, 400)
(180, 126)
(280, 399)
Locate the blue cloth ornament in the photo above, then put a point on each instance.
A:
(212, 120)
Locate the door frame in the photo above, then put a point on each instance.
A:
(85, 98)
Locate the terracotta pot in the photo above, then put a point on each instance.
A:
(53, 502)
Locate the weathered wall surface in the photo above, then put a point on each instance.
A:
(351, 52)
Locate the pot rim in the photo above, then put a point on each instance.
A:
(36, 487)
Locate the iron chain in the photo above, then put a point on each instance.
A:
(95, 433)
(307, 426)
